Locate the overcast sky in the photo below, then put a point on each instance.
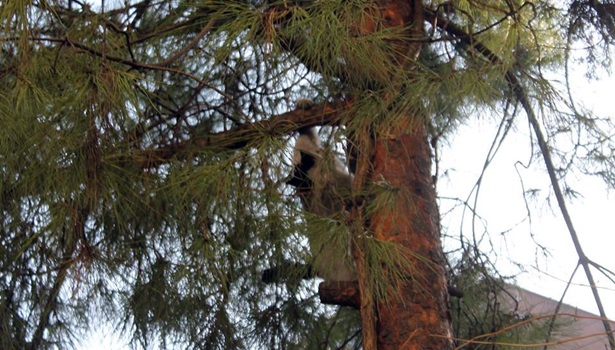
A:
(502, 206)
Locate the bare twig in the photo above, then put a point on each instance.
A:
(521, 96)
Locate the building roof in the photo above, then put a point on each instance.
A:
(578, 329)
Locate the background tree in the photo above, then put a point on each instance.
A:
(144, 153)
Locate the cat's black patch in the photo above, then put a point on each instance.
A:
(299, 177)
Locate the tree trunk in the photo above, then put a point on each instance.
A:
(415, 313)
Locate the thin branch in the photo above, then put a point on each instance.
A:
(181, 52)
(559, 305)
(544, 148)
(133, 64)
(66, 262)
(521, 95)
(476, 340)
(243, 135)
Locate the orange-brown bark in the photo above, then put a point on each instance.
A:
(415, 313)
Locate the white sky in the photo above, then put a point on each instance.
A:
(502, 206)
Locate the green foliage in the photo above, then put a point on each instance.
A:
(118, 207)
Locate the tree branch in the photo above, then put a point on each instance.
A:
(340, 293)
(320, 114)
(522, 96)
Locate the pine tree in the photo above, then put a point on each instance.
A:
(146, 144)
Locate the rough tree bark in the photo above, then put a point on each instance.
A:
(415, 312)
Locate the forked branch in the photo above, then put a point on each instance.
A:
(522, 97)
